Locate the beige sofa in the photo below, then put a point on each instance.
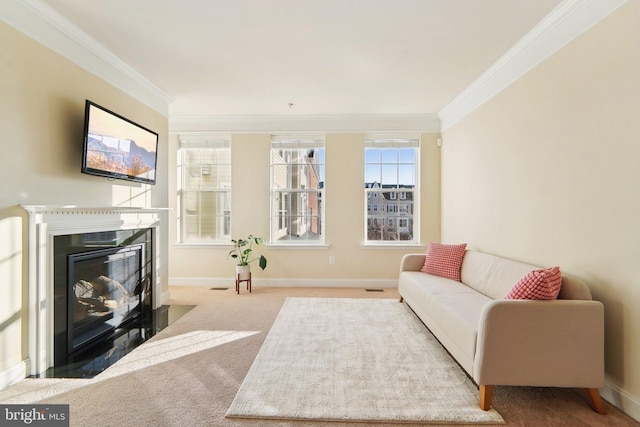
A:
(558, 343)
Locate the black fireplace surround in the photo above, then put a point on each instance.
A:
(102, 282)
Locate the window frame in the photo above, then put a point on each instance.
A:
(219, 191)
(307, 198)
(398, 200)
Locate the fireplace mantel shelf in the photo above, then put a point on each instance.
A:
(53, 209)
(91, 219)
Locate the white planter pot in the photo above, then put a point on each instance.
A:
(244, 271)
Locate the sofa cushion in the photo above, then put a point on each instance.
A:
(492, 275)
(458, 315)
(449, 308)
(541, 284)
(444, 260)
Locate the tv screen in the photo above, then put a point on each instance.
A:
(116, 147)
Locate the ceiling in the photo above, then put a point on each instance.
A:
(307, 57)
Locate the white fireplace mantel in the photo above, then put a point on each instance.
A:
(46, 222)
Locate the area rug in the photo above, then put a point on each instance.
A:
(340, 359)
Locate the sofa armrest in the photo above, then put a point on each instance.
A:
(412, 262)
(556, 343)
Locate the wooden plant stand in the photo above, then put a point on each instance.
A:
(243, 280)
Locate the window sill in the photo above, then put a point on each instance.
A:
(297, 246)
(393, 246)
(202, 245)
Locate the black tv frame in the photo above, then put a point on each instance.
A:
(121, 120)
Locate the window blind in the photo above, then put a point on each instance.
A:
(205, 141)
(399, 140)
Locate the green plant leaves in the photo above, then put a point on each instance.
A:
(242, 255)
(262, 262)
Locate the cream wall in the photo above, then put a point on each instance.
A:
(355, 265)
(42, 99)
(547, 172)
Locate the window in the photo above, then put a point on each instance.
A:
(391, 189)
(297, 183)
(204, 189)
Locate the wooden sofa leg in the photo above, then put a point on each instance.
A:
(401, 298)
(486, 391)
(596, 401)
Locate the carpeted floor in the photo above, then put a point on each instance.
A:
(198, 363)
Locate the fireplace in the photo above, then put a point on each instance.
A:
(92, 272)
(101, 282)
(105, 288)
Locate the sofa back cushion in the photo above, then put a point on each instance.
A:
(492, 275)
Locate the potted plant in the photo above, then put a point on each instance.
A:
(241, 252)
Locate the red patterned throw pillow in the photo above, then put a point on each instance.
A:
(538, 284)
(444, 260)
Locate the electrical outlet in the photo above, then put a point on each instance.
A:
(332, 259)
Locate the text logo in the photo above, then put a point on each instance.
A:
(34, 415)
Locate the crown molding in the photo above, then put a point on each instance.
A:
(40, 22)
(428, 123)
(566, 22)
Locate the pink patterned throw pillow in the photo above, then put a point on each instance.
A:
(538, 284)
(444, 260)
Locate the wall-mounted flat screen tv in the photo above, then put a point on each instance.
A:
(116, 147)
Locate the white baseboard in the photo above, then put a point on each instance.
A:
(288, 283)
(622, 400)
(14, 374)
